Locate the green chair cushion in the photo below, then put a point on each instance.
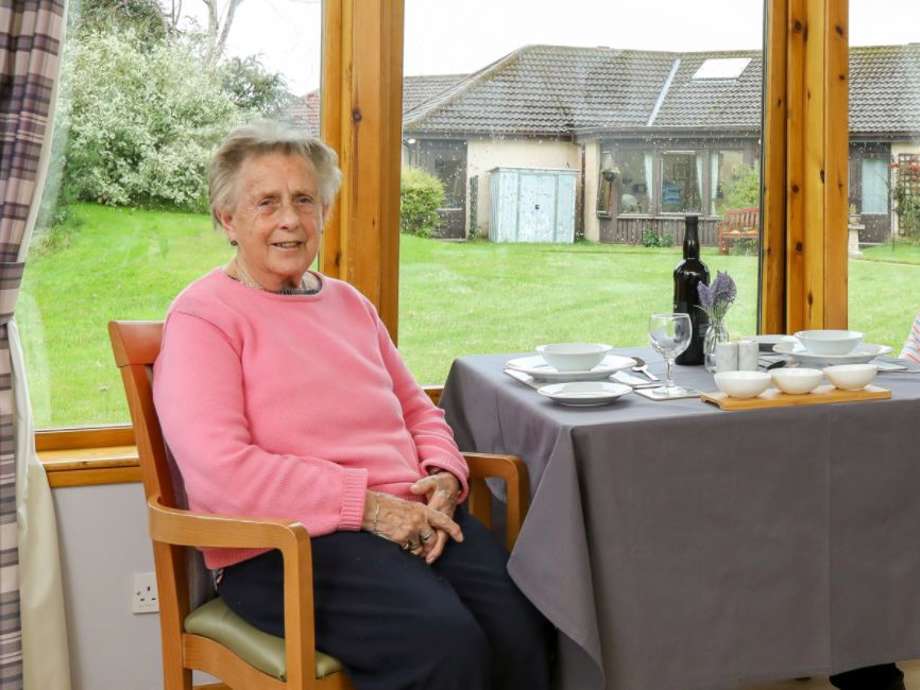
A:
(217, 622)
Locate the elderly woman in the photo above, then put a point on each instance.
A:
(281, 395)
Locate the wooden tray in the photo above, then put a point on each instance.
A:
(772, 397)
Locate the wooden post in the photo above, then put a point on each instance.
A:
(362, 120)
(804, 272)
(836, 164)
(817, 160)
(773, 264)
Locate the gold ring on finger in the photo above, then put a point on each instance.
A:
(425, 537)
(407, 546)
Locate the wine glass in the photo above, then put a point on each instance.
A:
(670, 335)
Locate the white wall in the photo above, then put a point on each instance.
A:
(896, 150)
(592, 168)
(103, 537)
(484, 154)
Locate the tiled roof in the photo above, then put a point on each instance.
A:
(420, 88)
(713, 103)
(304, 111)
(549, 90)
(885, 89)
(555, 91)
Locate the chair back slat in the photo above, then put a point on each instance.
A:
(136, 345)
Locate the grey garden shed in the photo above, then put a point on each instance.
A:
(532, 205)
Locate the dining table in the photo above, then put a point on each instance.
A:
(677, 546)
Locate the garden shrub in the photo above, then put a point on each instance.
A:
(908, 211)
(141, 123)
(650, 238)
(742, 190)
(421, 194)
(252, 87)
(744, 246)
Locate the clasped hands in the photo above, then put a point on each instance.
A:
(420, 528)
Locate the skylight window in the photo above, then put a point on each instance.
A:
(722, 68)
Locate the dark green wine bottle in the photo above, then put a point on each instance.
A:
(689, 273)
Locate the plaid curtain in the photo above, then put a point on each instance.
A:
(30, 47)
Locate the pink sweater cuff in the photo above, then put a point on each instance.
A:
(354, 491)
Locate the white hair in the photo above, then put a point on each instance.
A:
(267, 136)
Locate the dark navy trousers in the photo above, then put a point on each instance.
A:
(881, 677)
(397, 623)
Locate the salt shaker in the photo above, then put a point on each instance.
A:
(748, 355)
(726, 356)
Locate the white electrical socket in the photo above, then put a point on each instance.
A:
(144, 597)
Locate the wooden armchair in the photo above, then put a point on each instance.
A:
(209, 637)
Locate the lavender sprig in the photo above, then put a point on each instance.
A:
(715, 299)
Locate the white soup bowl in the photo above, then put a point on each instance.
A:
(851, 377)
(830, 342)
(573, 356)
(742, 384)
(796, 381)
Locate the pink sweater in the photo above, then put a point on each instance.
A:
(291, 406)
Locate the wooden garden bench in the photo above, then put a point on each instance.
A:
(738, 224)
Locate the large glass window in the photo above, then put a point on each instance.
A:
(588, 134)
(884, 197)
(124, 226)
(735, 184)
(636, 176)
(681, 182)
(875, 186)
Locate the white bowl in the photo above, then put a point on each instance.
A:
(851, 377)
(573, 356)
(830, 342)
(742, 384)
(796, 381)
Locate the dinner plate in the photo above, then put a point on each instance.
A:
(861, 355)
(584, 393)
(537, 367)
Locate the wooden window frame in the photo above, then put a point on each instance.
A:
(803, 279)
(803, 274)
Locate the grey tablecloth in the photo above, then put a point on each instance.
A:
(679, 547)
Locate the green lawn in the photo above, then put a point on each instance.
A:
(455, 299)
(900, 252)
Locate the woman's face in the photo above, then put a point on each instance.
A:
(278, 218)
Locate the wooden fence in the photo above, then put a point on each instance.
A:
(630, 230)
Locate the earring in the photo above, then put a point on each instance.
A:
(233, 243)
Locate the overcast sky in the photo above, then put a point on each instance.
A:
(446, 36)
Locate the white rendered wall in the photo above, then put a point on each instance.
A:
(484, 154)
(592, 167)
(103, 537)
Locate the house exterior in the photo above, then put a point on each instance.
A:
(304, 112)
(652, 135)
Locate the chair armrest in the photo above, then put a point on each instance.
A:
(517, 484)
(433, 393)
(185, 528)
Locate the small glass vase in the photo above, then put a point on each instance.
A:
(716, 333)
